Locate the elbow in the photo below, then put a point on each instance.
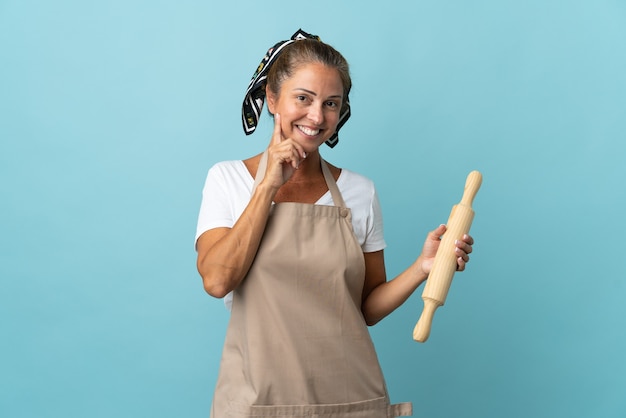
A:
(213, 285)
(370, 320)
(212, 280)
(217, 292)
(216, 289)
(371, 315)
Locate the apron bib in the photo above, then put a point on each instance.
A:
(297, 344)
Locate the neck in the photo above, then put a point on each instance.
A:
(309, 167)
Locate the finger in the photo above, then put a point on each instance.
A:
(460, 266)
(436, 233)
(468, 238)
(464, 246)
(299, 152)
(295, 153)
(460, 253)
(296, 158)
(289, 155)
(277, 135)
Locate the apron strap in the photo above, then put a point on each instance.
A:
(328, 176)
(260, 171)
(332, 185)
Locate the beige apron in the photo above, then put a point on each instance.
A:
(297, 344)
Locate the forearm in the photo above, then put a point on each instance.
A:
(389, 295)
(224, 258)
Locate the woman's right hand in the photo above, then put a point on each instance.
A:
(284, 157)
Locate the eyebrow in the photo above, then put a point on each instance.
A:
(337, 96)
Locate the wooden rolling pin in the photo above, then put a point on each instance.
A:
(445, 264)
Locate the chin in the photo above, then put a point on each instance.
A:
(310, 146)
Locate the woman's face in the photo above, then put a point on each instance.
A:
(309, 104)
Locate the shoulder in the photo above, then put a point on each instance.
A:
(228, 179)
(352, 180)
(225, 167)
(236, 169)
(358, 191)
(233, 171)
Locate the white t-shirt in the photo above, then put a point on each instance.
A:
(228, 188)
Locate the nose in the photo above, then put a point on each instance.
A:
(316, 114)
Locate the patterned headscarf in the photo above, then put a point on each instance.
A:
(255, 94)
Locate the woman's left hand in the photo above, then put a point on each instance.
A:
(433, 239)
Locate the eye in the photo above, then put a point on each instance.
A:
(332, 104)
(301, 98)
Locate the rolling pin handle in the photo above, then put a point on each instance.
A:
(422, 328)
(472, 184)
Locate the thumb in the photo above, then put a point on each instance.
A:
(436, 233)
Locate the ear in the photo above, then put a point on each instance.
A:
(271, 100)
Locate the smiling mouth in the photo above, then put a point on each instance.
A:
(308, 131)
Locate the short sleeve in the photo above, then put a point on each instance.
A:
(225, 195)
(374, 235)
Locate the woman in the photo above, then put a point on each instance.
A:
(298, 245)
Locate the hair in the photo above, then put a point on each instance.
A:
(307, 51)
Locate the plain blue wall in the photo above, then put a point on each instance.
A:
(111, 112)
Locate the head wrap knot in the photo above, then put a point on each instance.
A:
(255, 93)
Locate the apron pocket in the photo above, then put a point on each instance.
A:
(373, 408)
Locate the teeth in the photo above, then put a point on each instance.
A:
(308, 131)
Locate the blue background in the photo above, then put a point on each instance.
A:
(111, 113)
